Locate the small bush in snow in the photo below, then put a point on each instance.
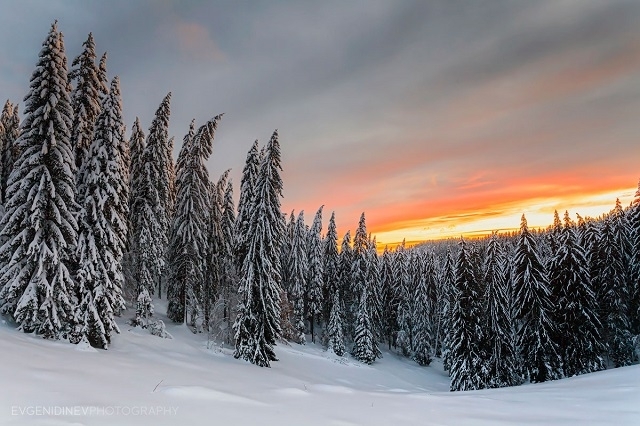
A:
(157, 328)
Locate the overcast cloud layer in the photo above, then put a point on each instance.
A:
(411, 111)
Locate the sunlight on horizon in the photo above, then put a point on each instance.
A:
(505, 217)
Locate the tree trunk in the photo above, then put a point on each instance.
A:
(313, 337)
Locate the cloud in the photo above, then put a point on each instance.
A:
(195, 42)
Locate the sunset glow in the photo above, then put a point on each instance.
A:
(504, 218)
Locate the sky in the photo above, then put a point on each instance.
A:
(437, 118)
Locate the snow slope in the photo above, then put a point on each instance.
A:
(143, 379)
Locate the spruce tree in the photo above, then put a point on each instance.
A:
(136, 171)
(359, 269)
(359, 272)
(314, 292)
(346, 284)
(136, 148)
(430, 273)
(228, 280)
(405, 299)
(102, 75)
(538, 350)
(171, 178)
(365, 348)
(581, 345)
(299, 270)
(375, 287)
(245, 203)
(421, 322)
(331, 266)
(149, 219)
(9, 132)
(285, 251)
(466, 330)
(389, 300)
(189, 232)
(207, 294)
(39, 227)
(257, 324)
(501, 359)
(158, 162)
(613, 292)
(85, 101)
(335, 328)
(447, 284)
(102, 227)
(553, 240)
(634, 261)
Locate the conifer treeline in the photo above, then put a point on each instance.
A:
(93, 220)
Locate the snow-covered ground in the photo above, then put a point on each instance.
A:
(143, 379)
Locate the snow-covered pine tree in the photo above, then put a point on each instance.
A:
(157, 159)
(501, 359)
(125, 156)
(365, 348)
(285, 251)
(335, 328)
(10, 125)
(176, 289)
(388, 296)
(613, 292)
(39, 227)
(359, 268)
(359, 272)
(508, 254)
(124, 160)
(581, 345)
(634, 262)
(148, 218)
(421, 318)
(208, 293)
(189, 232)
(213, 285)
(136, 148)
(346, 284)
(375, 288)
(257, 325)
(590, 234)
(102, 227)
(144, 308)
(555, 235)
(136, 171)
(245, 203)
(331, 267)
(85, 101)
(447, 284)
(102, 75)
(299, 272)
(548, 249)
(315, 262)
(430, 273)
(533, 308)
(229, 277)
(171, 179)
(466, 330)
(405, 299)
